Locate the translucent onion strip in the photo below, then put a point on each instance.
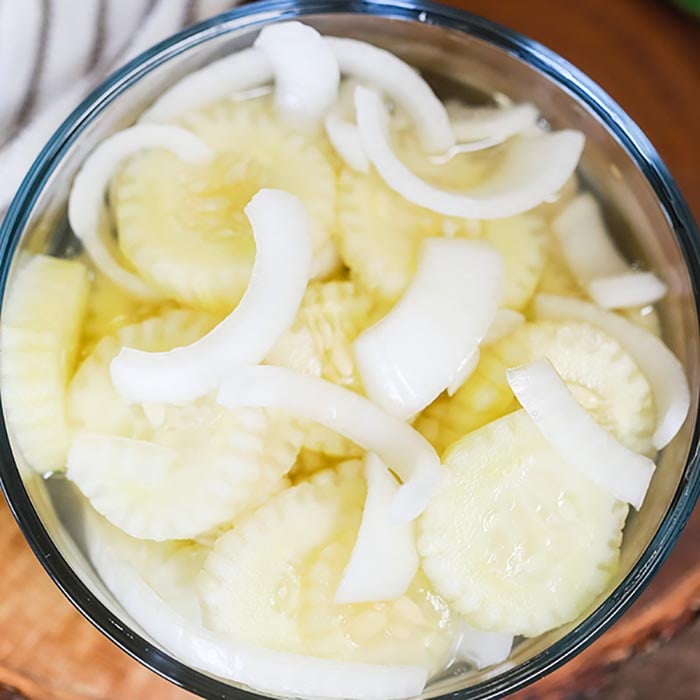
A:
(628, 289)
(86, 205)
(490, 123)
(242, 71)
(305, 70)
(402, 84)
(660, 366)
(384, 560)
(513, 188)
(574, 433)
(586, 242)
(268, 671)
(268, 307)
(482, 649)
(464, 371)
(397, 444)
(412, 354)
(346, 140)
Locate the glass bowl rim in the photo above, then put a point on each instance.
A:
(538, 57)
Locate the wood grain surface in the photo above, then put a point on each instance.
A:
(647, 56)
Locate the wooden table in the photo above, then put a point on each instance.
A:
(647, 56)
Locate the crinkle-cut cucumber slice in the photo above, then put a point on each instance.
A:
(415, 628)
(94, 404)
(203, 468)
(110, 308)
(182, 225)
(41, 326)
(331, 316)
(309, 462)
(515, 539)
(379, 234)
(602, 376)
(224, 462)
(522, 242)
(169, 568)
(250, 586)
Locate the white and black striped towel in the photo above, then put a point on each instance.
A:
(53, 52)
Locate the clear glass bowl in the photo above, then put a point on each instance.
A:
(649, 215)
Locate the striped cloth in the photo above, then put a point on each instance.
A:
(53, 52)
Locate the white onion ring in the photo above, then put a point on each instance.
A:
(402, 84)
(486, 123)
(240, 72)
(86, 207)
(413, 353)
(397, 444)
(628, 289)
(575, 435)
(660, 366)
(513, 189)
(251, 68)
(384, 560)
(585, 241)
(268, 307)
(464, 371)
(305, 70)
(346, 140)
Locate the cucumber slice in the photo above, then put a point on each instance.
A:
(251, 583)
(319, 343)
(516, 539)
(223, 462)
(182, 225)
(41, 327)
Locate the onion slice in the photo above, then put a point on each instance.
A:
(414, 352)
(240, 72)
(482, 649)
(490, 123)
(397, 444)
(305, 70)
(268, 307)
(346, 140)
(464, 371)
(512, 189)
(342, 130)
(661, 367)
(572, 431)
(628, 289)
(384, 560)
(265, 670)
(86, 206)
(585, 241)
(402, 84)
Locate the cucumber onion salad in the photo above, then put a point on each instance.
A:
(355, 384)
